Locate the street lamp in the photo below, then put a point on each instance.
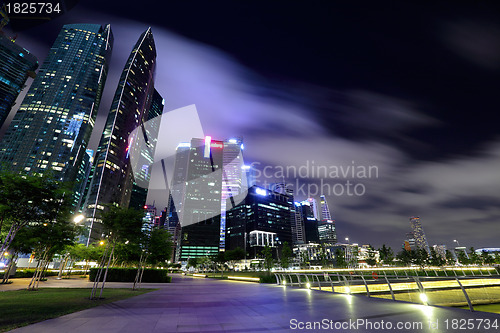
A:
(347, 240)
(79, 218)
(465, 250)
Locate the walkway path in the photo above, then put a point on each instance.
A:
(206, 305)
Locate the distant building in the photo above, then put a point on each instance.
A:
(261, 218)
(327, 233)
(326, 228)
(304, 212)
(16, 64)
(409, 242)
(440, 250)
(325, 211)
(419, 234)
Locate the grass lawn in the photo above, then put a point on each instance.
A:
(495, 308)
(22, 307)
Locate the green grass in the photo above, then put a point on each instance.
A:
(495, 308)
(21, 307)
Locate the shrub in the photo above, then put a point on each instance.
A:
(267, 278)
(128, 275)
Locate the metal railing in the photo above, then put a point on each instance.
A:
(429, 288)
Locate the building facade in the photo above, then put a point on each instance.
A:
(52, 128)
(419, 234)
(200, 209)
(126, 143)
(16, 64)
(262, 217)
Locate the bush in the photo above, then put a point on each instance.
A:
(267, 278)
(128, 275)
(28, 273)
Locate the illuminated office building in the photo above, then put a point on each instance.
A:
(200, 206)
(16, 64)
(307, 221)
(233, 180)
(326, 227)
(126, 149)
(261, 218)
(52, 128)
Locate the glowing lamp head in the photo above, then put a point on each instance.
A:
(261, 191)
(348, 290)
(423, 298)
(308, 285)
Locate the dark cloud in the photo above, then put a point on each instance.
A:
(362, 89)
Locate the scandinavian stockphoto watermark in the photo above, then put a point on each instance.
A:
(311, 179)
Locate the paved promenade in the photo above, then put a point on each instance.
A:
(206, 305)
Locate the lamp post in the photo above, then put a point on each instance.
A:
(465, 250)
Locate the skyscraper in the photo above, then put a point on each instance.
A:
(201, 206)
(261, 218)
(123, 158)
(309, 223)
(325, 211)
(326, 227)
(16, 64)
(233, 181)
(419, 234)
(54, 122)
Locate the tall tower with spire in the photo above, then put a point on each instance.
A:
(326, 227)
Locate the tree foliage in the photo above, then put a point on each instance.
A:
(29, 200)
(286, 254)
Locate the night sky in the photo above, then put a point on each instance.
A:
(409, 88)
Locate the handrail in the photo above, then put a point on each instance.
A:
(422, 283)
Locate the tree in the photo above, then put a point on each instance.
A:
(486, 258)
(220, 259)
(268, 258)
(159, 247)
(192, 262)
(386, 254)
(435, 259)
(450, 260)
(234, 255)
(286, 254)
(122, 225)
(28, 200)
(45, 241)
(371, 259)
(340, 259)
(475, 259)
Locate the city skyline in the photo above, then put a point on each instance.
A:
(415, 103)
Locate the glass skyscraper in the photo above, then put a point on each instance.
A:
(233, 182)
(16, 64)
(126, 149)
(52, 128)
(201, 205)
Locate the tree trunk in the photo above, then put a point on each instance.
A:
(99, 272)
(138, 271)
(106, 272)
(142, 271)
(9, 268)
